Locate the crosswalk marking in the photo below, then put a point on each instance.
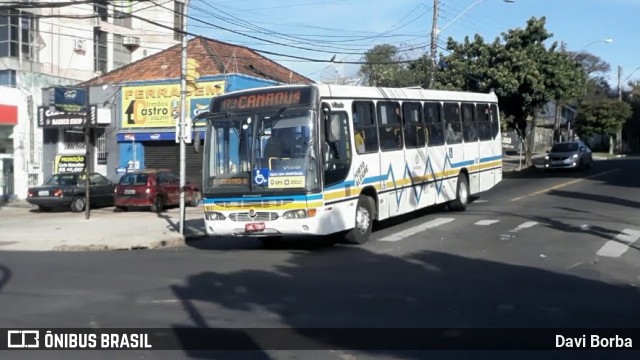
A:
(486, 222)
(620, 245)
(524, 225)
(416, 229)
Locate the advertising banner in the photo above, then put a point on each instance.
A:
(69, 164)
(159, 105)
(68, 99)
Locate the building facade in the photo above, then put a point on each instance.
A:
(138, 106)
(43, 46)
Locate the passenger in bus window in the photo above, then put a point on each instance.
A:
(360, 140)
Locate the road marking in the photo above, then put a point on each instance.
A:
(416, 229)
(481, 201)
(563, 185)
(486, 222)
(524, 225)
(620, 245)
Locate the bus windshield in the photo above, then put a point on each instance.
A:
(269, 150)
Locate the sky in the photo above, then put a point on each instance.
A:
(318, 30)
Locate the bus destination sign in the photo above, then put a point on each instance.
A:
(271, 98)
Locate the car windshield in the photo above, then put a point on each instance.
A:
(564, 147)
(133, 179)
(62, 180)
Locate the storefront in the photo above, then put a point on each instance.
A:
(148, 115)
(8, 120)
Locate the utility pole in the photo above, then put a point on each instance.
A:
(434, 44)
(183, 116)
(618, 144)
(88, 144)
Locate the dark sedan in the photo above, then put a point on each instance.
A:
(569, 155)
(68, 191)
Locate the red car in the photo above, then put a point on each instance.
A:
(154, 188)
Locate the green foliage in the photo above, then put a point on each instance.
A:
(602, 116)
(524, 73)
(384, 66)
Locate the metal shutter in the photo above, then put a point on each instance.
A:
(165, 154)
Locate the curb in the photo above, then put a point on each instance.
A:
(176, 241)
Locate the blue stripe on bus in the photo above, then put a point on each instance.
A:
(266, 198)
(490, 158)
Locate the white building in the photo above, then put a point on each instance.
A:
(43, 46)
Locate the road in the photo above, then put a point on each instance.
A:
(539, 250)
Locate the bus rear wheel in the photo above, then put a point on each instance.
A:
(364, 222)
(462, 194)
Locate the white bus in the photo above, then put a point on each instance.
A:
(322, 159)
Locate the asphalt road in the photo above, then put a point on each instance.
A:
(539, 250)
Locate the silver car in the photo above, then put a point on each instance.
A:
(568, 155)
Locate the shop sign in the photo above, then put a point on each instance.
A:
(159, 105)
(69, 164)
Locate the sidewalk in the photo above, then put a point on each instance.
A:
(23, 228)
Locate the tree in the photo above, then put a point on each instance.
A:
(602, 116)
(524, 73)
(383, 66)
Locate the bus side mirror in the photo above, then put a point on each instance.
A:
(196, 137)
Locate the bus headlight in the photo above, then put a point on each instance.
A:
(212, 215)
(295, 214)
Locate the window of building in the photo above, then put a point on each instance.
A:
(365, 129)
(122, 19)
(101, 147)
(100, 60)
(8, 78)
(101, 7)
(178, 20)
(121, 54)
(72, 140)
(18, 35)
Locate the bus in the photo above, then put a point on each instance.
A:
(294, 160)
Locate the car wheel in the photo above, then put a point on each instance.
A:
(364, 222)
(462, 194)
(195, 199)
(158, 204)
(77, 204)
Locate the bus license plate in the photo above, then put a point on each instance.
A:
(254, 227)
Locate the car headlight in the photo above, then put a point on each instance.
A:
(212, 215)
(574, 156)
(546, 157)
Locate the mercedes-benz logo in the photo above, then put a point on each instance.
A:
(252, 213)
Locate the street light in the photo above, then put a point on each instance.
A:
(606, 41)
(435, 31)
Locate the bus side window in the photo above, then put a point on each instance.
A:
(469, 122)
(453, 128)
(433, 122)
(364, 124)
(495, 120)
(414, 131)
(337, 148)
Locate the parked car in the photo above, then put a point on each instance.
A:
(69, 190)
(153, 188)
(569, 155)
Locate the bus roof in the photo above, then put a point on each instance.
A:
(350, 91)
(371, 92)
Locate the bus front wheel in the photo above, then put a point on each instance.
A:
(364, 222)
(462, 194)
